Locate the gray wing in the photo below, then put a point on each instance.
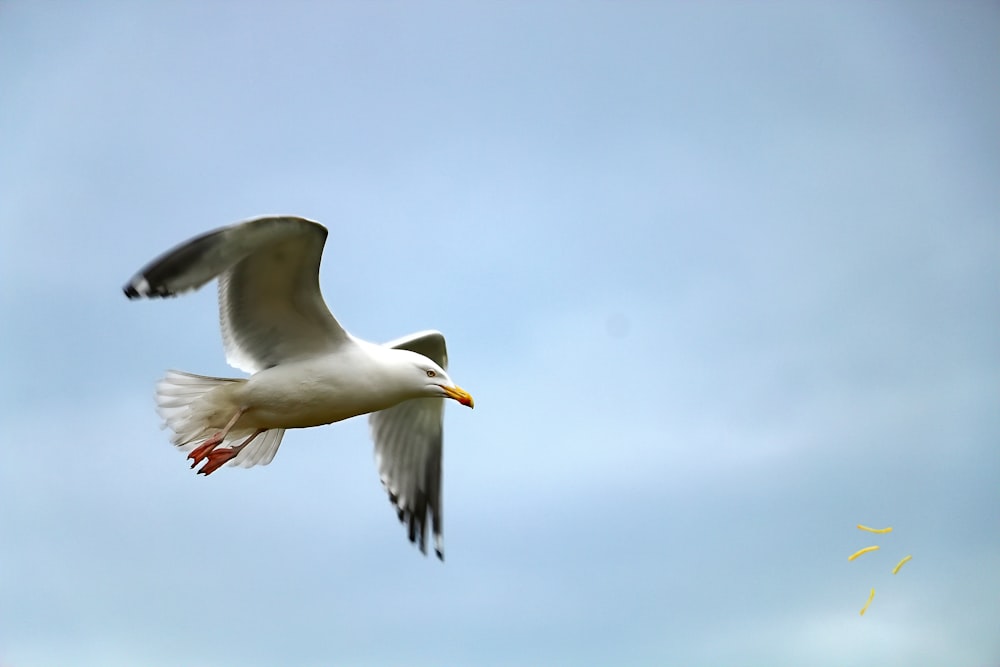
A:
(270, 306)
(408, 447)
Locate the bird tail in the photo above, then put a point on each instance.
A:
(196, 407)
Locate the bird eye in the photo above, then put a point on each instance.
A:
(431, 373)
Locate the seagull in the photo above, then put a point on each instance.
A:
(305, 369)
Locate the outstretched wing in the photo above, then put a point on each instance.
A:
(408, 447)
(270, 305)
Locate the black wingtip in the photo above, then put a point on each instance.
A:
(139, 288)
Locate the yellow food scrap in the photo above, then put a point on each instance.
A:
(871, 596)
(862, 551)
(900, 564)
(875, 530)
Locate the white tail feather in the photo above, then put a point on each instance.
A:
(196, 407)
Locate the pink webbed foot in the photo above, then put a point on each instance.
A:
(205, 449)
(201, 452)
(218, 458)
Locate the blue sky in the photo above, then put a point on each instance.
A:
(723, 278)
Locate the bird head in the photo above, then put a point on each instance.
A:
(434, 381)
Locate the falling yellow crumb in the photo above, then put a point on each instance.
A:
(871, 596)
(862, 551)
(900, 564)
(875, 530)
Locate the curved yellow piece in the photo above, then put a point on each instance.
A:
(857, 553)
(875, 530)
(901, 564)
(871, 596)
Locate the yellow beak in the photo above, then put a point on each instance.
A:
(459, 395)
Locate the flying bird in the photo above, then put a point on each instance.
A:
(305, 368)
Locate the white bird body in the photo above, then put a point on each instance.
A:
(313, 392)
(306, 369)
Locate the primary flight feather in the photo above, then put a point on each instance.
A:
(306, 370)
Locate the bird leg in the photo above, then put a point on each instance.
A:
(218, 457)
(202, 451)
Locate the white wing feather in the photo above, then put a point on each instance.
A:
(408, 450)
(270, 305)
